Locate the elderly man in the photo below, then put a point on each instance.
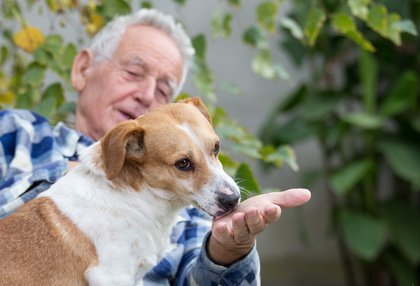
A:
(136, 63)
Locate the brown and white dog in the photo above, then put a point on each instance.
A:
(108, 220)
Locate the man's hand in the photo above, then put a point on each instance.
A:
(234, 235)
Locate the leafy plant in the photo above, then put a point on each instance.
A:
(361, 104)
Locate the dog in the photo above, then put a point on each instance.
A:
(108, 221)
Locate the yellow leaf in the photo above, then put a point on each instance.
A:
(61, 5)
(28, 39)
(91, 5)
(95, 23)
(7, 97)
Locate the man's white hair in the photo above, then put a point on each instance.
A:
(106, 41)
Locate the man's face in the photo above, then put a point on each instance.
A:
(142, 74)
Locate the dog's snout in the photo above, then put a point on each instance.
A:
(229, 202)
(228, 199)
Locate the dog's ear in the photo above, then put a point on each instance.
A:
(196, 101)
(123, 142)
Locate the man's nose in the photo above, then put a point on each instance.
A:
(147, 91)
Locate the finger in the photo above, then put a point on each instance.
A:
(290, 198)
(221, 232)
(240, 229)
(272, 213)
(254, 221)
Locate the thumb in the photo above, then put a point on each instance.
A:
(290, 198)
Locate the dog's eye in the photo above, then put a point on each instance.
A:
(216, 148)
(184, 164)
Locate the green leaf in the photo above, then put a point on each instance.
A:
(293, 27)
(294, 100)
(246, 181)
(263, 66)
(403, 157)
(26, 99)
(235, 3)
(200, 46)
(146, 5)
(314, 22)
(66, 109)
(394, 33)
(52, 99)
(402, 96)
(230, 131)
(345, 25)
(296, 49)
(320, 105)
(387, 25)
(248, 148)
(415, 123)
(230, 87)
(255, 37)
(180, 2)
(400, 267)
(406, 26)
(34, 75)
(403, 219)
(266, 15)
(348, 176)
(68, 55)
(203, 79)
(229, 165)
(293, 130)
(378, 19)
(9, 8)
(53, 43)
(111, 8)
(359, 8)
(278, 155)
(4, 54)
(221, 26)
(364, 120)
(364, 235)
(368, 70)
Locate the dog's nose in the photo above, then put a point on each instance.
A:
(228, 199)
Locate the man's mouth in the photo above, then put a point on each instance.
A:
(127, 115)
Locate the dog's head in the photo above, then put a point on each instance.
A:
(175, 149)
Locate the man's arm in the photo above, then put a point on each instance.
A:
(228, 254)
(233, 236)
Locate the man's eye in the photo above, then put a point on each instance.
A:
(133, 73)
(184, 164)
(164, 91)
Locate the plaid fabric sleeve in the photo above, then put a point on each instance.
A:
(196, 268)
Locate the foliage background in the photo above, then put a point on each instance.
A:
(351, 88)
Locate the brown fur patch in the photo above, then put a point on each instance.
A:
(40, 246)
(163, 143)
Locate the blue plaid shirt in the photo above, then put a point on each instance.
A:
(34, 155)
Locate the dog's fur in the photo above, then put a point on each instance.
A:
(108, 220)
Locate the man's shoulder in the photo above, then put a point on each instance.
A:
(21, 114)
(14, 120)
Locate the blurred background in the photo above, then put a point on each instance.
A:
(319, 94)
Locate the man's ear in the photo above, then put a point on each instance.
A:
(196, 101)
(124, 142)
(82, 61)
